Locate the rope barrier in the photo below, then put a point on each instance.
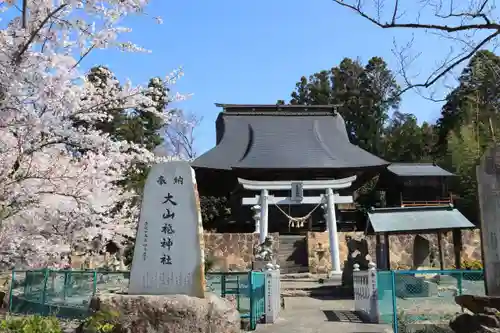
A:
(298, 222)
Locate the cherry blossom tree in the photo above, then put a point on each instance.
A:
(179, 135)
(58, 180)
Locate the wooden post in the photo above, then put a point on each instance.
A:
(457, 247)
(379, 252)
(387, 251)
(440, 248)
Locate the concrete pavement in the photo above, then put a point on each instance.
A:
(313, 315)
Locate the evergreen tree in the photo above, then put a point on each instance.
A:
(364, 96)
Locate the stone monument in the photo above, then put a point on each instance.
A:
(421, 252)
(488, 183)
(168, 255)
(167, 280)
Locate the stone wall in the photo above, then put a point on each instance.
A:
(401, 249)
(230, 252)
(233, 251)
(318, 250)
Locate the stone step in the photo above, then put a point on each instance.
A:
(292, 241)
(300, 279)
(291, 244)
(281, 252)
(291, 261)
(287, 247)
(294, 269)
(290, 250)
(291, 247)
(300, 276)
(296, 262)
(284, 255)
(290, 256)
(286, 251)
(334, 292)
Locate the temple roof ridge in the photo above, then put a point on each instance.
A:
(295, 137)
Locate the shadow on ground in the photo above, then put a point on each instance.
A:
(330, 293)
(344, 316)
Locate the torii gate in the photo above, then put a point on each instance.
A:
(260, 205)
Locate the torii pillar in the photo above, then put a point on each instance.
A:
(329, 198)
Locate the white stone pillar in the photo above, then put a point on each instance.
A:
(263, 215)
(325, 214)
(373, 312)
(331, 223)
(256, 217)
(273, 295)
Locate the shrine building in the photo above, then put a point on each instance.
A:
(291, 169)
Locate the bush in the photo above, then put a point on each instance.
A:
(30, 324)
(472, 264)
(102, 322)
(407, 325)
(403, 267)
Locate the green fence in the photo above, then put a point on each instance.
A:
(414, 301)
(246, 289)
(68, 293)
(63, 293)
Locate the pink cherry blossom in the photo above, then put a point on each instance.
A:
(57, 181)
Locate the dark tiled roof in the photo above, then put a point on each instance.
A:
(283, 137)
(418, 169)
(417, 219)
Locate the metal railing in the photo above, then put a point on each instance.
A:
(246, 289)
(414, 299)
(67, 293)
(426, 203)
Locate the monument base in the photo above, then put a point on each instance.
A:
(170, 313)
(335, 274)
(260, 265)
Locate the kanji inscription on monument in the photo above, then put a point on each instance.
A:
(168, 254)
(488, 179)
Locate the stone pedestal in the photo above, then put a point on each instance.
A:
(259, 265)
(170, 313)
(264, 265)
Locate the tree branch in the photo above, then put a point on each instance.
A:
(26, 45)
(393, 24)
(466, 26)
(25, 14)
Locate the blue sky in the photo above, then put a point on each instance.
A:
(254, 51)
